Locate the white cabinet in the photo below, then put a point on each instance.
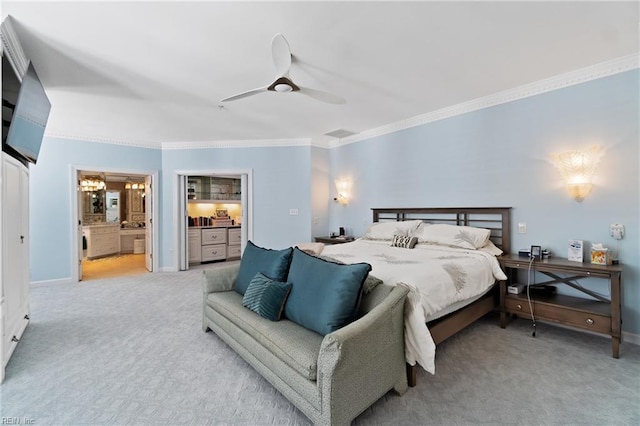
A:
(210, 244)
(14, 212)
(234, 238)
(128, 236)
(102, 240)
(214, 244)
(195, 246)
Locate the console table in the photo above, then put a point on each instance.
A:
(598, 313)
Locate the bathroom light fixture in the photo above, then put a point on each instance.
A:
(92, 184)
(578, 169)
(344, 191)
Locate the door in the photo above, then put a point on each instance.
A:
(81, 241)
(148, 219)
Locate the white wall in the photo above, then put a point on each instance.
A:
(500, 156)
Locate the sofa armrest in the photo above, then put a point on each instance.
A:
(360, 362)
(220, 279)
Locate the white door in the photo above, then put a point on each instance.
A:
(148, 227)
(81, 242)
(186, 251)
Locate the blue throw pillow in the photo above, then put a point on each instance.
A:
(266, 297)
(325, 295)
(272, 263)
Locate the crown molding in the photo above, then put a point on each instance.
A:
(11, 45)
(130, 143)
(604, 69)
(255, 143)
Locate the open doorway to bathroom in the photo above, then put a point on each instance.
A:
(115, 224)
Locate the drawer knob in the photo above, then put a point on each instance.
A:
(519, 306)
(589, 321)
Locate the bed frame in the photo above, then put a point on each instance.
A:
(496, 219)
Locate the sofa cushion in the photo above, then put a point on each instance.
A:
(272, 263)
(325, 295)
(294, 345)
(266, 297)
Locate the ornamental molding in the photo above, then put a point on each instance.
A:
(604, 69)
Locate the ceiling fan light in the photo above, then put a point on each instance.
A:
(283, 88)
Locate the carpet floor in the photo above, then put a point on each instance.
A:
(127, 351)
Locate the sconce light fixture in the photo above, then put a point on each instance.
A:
(578, 169)
(344, 191)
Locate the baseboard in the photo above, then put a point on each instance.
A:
(67, 280)
(168, 269)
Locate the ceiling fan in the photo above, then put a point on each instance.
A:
(283, 84)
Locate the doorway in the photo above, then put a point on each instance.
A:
(212, 205)
(115, 224)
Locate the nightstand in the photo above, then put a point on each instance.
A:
(597, 313)
(334, 240)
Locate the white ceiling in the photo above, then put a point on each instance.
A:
(147, 73)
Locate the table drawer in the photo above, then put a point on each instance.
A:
(214, 252)
(214, 236)
(233, 252)
(235, 236)
(517, 306)
(585, 320)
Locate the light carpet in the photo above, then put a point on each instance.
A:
(131, 351)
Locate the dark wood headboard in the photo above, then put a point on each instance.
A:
(496, 219)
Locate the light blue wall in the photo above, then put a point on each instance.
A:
(50, 189)
(281, 181)
(500, 156)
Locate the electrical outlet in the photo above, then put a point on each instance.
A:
(293, 212)
(522, 228)
(616, 230)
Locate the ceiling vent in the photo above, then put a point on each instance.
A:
(340, 134)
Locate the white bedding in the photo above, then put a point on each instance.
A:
(437, 277)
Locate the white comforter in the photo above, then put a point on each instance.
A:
(436, 276)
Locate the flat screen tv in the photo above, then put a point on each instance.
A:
(25, 111)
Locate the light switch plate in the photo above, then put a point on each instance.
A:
(616, 230)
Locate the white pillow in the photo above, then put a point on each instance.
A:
(491, 249)
(386, 230)
(466, 237)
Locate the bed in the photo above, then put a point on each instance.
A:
(451, 271)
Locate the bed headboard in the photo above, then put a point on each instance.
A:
(496, 219)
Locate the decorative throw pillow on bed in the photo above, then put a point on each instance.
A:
(386, 230)
(404, 241)
(273, 264)
(325, 295)
(466, 237)
(266, 297)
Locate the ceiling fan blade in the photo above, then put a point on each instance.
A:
(319, 95)
(281, 53)
(244, 94)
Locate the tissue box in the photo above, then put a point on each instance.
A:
(600, 256)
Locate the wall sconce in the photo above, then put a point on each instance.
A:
(578, 168)
(344, 191)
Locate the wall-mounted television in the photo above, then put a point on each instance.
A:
(25, 111)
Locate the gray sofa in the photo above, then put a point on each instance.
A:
(332, 378)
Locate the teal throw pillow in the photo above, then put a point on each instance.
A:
(266, 297)
(272, 263)
(325, 295)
